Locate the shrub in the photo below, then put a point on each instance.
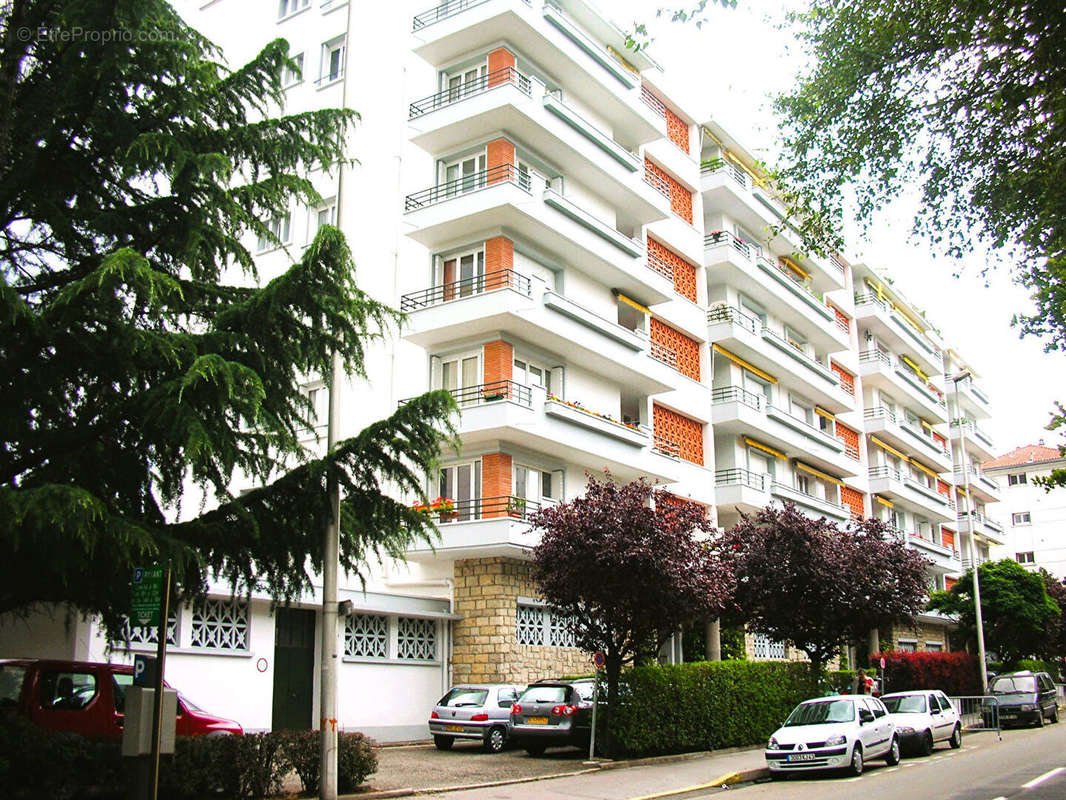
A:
(955, 674)
(355, 761)
(706, 706)
(1035, 665)
(303, 752)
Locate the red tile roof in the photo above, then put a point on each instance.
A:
(1027, 454)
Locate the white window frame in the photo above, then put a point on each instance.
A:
(1021, 518)
(477, 258)
(281, 227)
(1030, 560)
(290, 8)
(289, 77)
(326, 75)
(1016, 478)
(314, 225)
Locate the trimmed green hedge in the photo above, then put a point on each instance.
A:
(709, 705)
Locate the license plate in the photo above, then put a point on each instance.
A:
(537, 720)
(454, 728)
(802, 757)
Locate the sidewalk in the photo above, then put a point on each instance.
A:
(609, 780)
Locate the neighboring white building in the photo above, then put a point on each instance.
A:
(1035, 517)
(601, 281)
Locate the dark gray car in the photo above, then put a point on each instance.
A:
(1025, 697)
(477, 711)
(553, 713)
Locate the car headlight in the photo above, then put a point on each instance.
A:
(906, 730)
(1028, 707)
(772, 744)
(838, 739)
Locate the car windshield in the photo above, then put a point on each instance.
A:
(586, 690)
(822, 712)
(905, 704)
(544, 694)
(464, 696)
(1014, 685)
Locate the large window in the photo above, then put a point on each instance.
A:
(536, 625)
(1015, 478)
(220, 625)
(366, 636)
(1021, 518)
(332, 66)
(763, 647)
(1025, 558)
(462, 484)
(287, 8)
(416, 639)
(281, 228)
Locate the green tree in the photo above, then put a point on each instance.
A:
(139, 351)
(965, 102)
(1015, 608)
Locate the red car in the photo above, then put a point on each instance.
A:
(87, 698)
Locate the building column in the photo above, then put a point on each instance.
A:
(875, 641)
(712, 647)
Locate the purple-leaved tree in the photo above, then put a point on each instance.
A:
(627, 574)
(807, 581)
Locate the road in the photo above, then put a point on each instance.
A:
(1029, 764)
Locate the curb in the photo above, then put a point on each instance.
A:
(730, 778)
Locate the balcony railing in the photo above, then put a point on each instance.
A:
(725, 237)
(877, 412)
(842, 323)
(652, 102)
(874, 357)
(797, 351)
(667, 447)
(467, 287)
(507, 506)
(494, 176)
(656, 182)
(732, 170)
(969, 428)
(449, 8)
(725, 313)
(735, 394)
(495, 391)
(507, 76)
(667, 355)
(741, 477)
(885, 471)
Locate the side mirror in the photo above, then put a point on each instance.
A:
(865, 715)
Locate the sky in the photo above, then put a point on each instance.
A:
(728, 69)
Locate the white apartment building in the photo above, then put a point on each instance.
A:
(603, 282)
(1035, 518)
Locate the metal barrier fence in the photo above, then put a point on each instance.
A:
(978, 713)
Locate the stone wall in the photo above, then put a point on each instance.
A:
(920, 633)
(485, 647)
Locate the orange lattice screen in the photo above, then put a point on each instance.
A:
(943, 488)
(947, 537)
(852, 498)
(666, 262)
(850, 438)
(687, 350)
(847, 380)
(676, 130)
(686, 433)
(680, 197)
(948, 583)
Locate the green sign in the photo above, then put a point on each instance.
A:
(145, 589)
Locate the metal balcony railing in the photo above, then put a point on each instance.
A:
(507, 506)
(467, 287)
(657, 182)
(843, 324)
(495, 176)
(735, 394)
(878, 412)
(652, 102)
(449, 8)
(725, 237)
(869, 298)
(724, 313)
(885, 471)
(741, 477)
(732, 170)
(507, 76)
(495, 391)
(797, 348)
(667, 447)
(667, 355)
(874, 356)
(837, 262)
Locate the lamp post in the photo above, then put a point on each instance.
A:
(973, 543)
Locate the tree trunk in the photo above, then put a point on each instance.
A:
(614, 671)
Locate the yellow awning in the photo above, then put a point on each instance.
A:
(928, 426)
(796, 267)
(916, 368)
(764, 448)
(633, 303)
(624, 63)
(817, 474)
(821, 412)
(740, 362)
(889, 448)
(961, 491)
(883, 501)
(923, 468)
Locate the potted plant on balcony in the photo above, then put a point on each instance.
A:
(516, 507)
(492, 393)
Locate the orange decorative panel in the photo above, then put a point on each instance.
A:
(686, 433)
(847, 380)
(499, 152)
(850, 438)
(669, 264)
(677, 130)
(499, 360)
(686, 350)
(843, 321)
(940, 440)
(500, 59)
(495, 483)
(948, 583)
(947, 538)
(669, 500)
(943, 488)
(680, 197)
(852, 498)
(499, 254)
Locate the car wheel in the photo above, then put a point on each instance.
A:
(956, 738)
(443, 742)
(856, 761)
(892, 756)
(535, 748)
(927, 743)
(1054, 716)
(494, 741)
(1040, 718)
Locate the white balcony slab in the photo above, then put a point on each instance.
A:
(478, 538)
(911, 496)
(895, 380)
(943, 560)
(811, 506)
(907, 439)
(889, 325)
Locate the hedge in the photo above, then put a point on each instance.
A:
(955, 674)
(69, 767)
(1050, 667)
(709, 705)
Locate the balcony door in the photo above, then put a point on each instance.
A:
(464, 174)
(462, 484)
(462, 275)
(461, 376)
(465, 82)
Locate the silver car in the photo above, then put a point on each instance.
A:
(478, 711)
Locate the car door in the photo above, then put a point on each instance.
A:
(867, 728)
(505, 698)
(1048, 700)
(70, 699)
(883, 727)
(943, 721)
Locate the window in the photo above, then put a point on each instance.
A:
(795, 338)
(758, 386)
(280, 228)
(827, 425)
(416, 639)
(366, 636)
(294, 74)
(332, 66)
(536, 625)
(763, 647)
(750, 239)
(461, 375)
(65, 690)
(286, 8)
(318, 397)
(753, 309)
(464, 82)
(803, 482)
(150, 635)
(800, 409)
(1016, 478)
(530, 374)
(119, 685)
(323, 215)
(464, 174)
(761, 463)
(1025, 558)
(934, 647)
(529, 626)
(535, 484)
(462, 484)
(463, 274)
(220, 624)
(907, 646)
(1021, 518)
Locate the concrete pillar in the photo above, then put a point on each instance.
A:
(713, 645)
(875, 641)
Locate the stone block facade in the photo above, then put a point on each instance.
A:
(485, 645)
(918, 636)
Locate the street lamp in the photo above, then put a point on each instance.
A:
(973, 543)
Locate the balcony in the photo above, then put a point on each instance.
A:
(889, 482)
(899, 433)
(740, 491)
(737, 412)
(523, 106)
(524, 417)
(734, 262)
(545, 34)
(877, 315)
(983, 487)
(979, 442)
(879, 370)
(972, 399)
(942, 559)
(749, 339)
(509, 302)
(525, 204)
(481, 527)
(984, 527)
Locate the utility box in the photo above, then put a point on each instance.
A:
(137, 727)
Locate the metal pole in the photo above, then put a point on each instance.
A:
(978, 617)
(161, 657)
(595, 704)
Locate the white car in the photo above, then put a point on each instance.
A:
(835, 732)
(924, 718)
